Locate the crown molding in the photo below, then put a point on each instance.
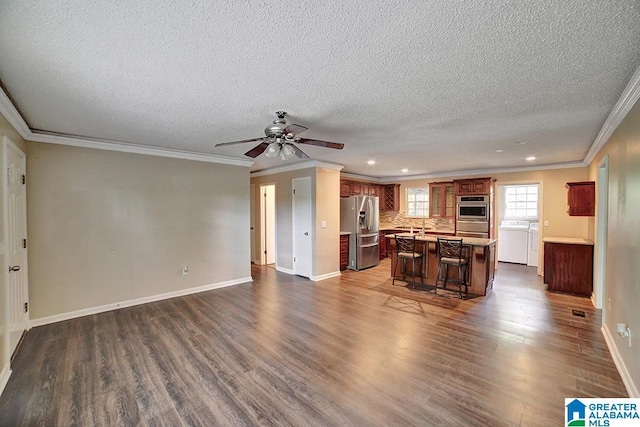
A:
(51, 138)
(627, 100)
(362, 177)
(470, 172)
(297, 166)
(12, 115)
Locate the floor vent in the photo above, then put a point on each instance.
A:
(578, 313)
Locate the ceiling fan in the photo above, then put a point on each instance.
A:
(280, 139)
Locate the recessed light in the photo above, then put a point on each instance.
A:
(499, 151)
(405, 170)
(530, 158)
(371, 162)
(521, 142)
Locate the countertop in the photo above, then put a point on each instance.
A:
(568, 240)
(345, 233)
(471, 241)
(417, 230)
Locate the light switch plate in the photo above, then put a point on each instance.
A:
(323, 224)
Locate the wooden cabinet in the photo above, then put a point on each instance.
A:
(581, 198)
(344, 251)
(383, 245)
(477, 186)
(391, 201)
(345, 189)
(442, 200)
(568, 268)
(388, 194)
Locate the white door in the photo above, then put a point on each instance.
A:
(302, 227)
(268, 223)
(15, 204)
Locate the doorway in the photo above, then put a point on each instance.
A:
(15, 236)
(268, 224)
(518, 217)
(302, 227)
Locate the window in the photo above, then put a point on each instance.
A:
(521, 201)
(418, 202)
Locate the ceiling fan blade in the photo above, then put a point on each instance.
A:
(239, 142)
(294, 129)
(317, 142)
(257, 150)
(301, 154)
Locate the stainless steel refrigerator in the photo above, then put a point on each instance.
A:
(360, 215)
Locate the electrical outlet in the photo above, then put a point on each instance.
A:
(185, 270)
(323, 224)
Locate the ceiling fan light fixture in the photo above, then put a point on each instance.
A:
(287, 152)
(272, 150)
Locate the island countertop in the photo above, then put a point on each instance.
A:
(471, 241)
(480, 253)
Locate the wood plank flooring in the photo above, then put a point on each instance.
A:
(283, 350)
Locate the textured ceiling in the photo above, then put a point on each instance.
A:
(432, 86)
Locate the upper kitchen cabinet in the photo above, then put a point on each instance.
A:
(388, 194)
(442, 200)
(581, 198)
(391, 201)
(477, 186)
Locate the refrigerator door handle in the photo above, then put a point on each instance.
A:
(370, 217)
(369, 245)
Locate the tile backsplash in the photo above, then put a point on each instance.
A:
(391, 219)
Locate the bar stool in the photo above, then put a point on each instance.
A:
(406, 250)
(450, 253)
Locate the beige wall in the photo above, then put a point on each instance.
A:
(325, 196)
(6, 130)
(106, 227)
(622, 268)
(327, 246)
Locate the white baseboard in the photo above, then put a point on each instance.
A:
(284, 270)
(137, 301)
(622, 369)
(325, 276)
(4, 377)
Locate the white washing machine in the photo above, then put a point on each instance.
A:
(513, 241)
(532, 253)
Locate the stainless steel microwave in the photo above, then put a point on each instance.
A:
(473, 207)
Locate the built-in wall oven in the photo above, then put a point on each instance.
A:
(473, 208)
(472, 216)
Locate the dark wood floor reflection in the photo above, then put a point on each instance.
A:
(283, 350)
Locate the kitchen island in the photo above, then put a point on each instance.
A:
(481, 254)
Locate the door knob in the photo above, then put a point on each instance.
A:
(14, 268)
(306, 233)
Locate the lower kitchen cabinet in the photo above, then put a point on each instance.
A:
(383, 245)
(344, 251)
(568, 265)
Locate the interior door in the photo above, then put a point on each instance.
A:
(15, 236)
(302, 227)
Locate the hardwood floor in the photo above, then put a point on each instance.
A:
(283, 350)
